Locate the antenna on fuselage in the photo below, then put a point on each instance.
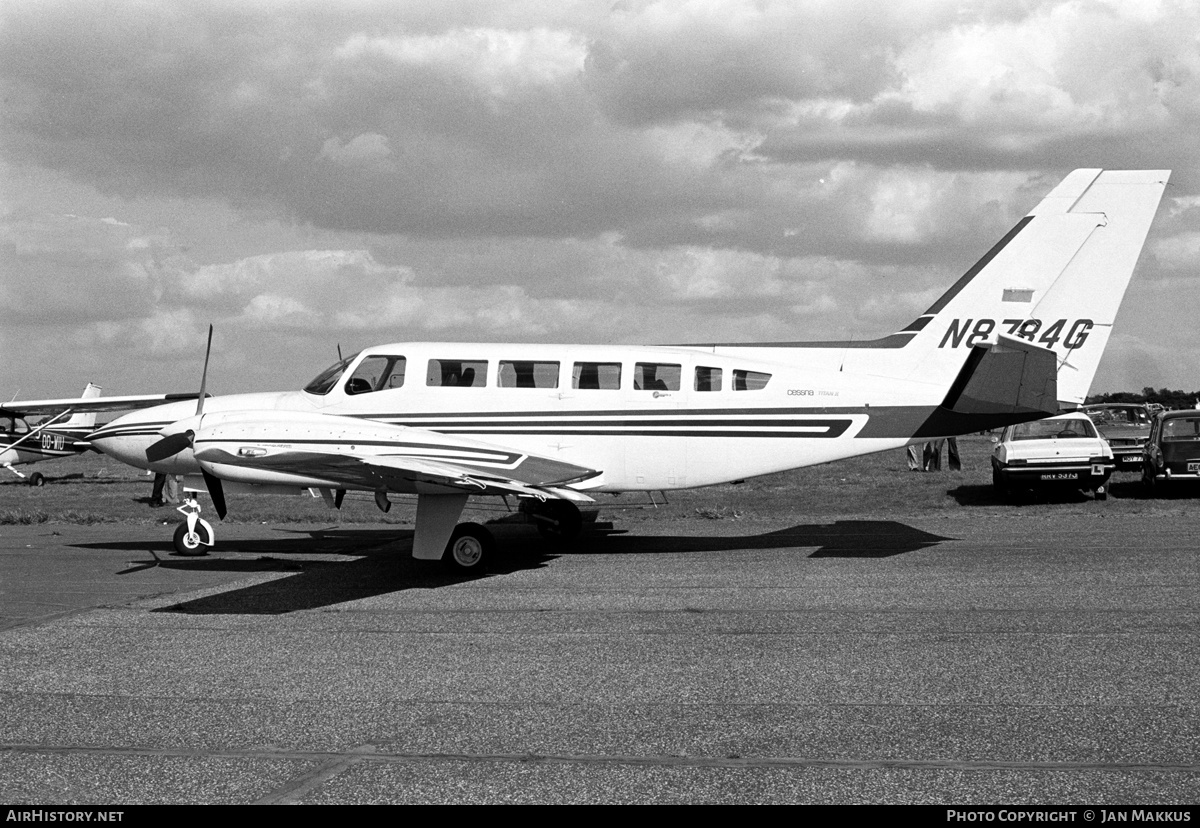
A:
(845, 351)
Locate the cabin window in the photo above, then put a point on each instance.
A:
(376, 373)
(750, 380)
(457, 373)
(707, 379)
(528, 374)
(656, 376)
(603, 376)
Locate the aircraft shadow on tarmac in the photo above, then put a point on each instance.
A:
(380, 562)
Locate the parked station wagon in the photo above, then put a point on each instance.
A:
(1055, 453)
(1173, 451)
(1126, 427)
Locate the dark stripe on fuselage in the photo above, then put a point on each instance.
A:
(130, 430)
(678, 413)
(966, 278)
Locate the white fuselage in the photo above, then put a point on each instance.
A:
(648, 417)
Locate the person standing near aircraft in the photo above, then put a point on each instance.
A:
(166, 489)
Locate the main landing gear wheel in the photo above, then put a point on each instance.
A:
(192, 543)
(470, 549)
(558, 520)
(36, 479)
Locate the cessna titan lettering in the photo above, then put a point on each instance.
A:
(1016, 338)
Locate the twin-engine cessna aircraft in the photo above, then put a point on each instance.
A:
(1016, 338)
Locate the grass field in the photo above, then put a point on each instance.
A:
(96, 489)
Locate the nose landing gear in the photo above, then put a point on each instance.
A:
(195, 533)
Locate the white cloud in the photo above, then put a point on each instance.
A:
(497, 60)
(366, 150)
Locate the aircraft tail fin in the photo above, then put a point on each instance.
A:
(1055, 280)
(80, 419)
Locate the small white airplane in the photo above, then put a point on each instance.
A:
(1016, 338)
(65, 433)
(21, 443)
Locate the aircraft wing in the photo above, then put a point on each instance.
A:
(399, 471)
(24, 408)
(392, 473)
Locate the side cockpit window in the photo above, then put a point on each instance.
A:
(377, 373)
(328, 378)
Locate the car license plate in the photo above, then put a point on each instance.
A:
(1194, 466)
(1061, 476)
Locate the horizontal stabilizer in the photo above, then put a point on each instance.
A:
(1010, 381)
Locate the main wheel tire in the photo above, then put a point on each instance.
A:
(37, 480)
(470, 549)
(192, 543)
(558, 520)
(1102, 493)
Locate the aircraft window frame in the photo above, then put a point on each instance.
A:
(657, 376)
(532, 373)
(746, 380)
(444, 371)
(711, 382)
(15, 425)
(325, 381)
(604, 378)
(384, 380)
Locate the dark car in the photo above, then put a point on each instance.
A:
(1173, 451)
(1126, 427)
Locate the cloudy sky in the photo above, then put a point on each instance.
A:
(309, 174)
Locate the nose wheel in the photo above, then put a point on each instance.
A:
(195, 534)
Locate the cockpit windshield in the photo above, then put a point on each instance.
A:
(329, 377)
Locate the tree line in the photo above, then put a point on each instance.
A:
(1163, 396)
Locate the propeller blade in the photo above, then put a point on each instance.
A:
(204, 375)
(169, 446)
(217, 492)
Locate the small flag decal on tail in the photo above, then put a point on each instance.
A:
(1017, 295)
